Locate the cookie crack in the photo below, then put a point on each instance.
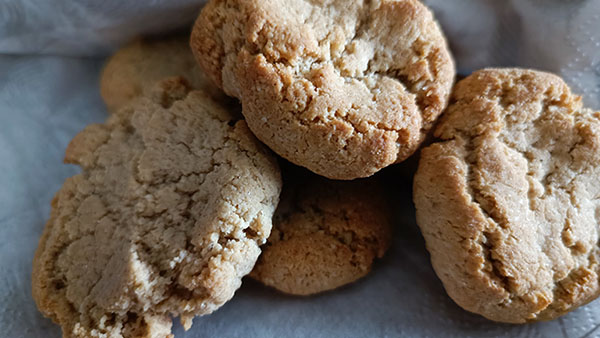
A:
(489, 248)
(401, 75)
(486, 244)
(359, 28)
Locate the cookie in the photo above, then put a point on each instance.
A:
(508, 198)
(137, 67)
(325, 234)
(165, 219)
(343, 88)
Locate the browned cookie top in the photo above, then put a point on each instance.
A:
(509, 198)
(343, 88)
(325, 234)
(165, 219)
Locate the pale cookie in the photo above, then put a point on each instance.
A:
(165, 219)
(509, 198)
(325, 234)
(343, 88)
(135, 68)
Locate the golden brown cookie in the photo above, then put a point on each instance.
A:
(165, 219)
(138, 66)
(325, 234)
(343, 88)
(508, 199)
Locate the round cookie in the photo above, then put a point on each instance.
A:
(343, 88)
(165, 219)
(137, 67)
(508, 199)
(325, 234)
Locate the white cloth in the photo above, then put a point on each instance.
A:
(560, 36)
(86, 27)
(45, 100)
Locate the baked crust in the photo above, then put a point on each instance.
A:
(159, 223)
(343, 88)
(508, 198)
(326, 234)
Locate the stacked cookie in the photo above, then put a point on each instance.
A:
(178, 195)
(343, 88)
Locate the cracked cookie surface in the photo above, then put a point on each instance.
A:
(343, 88)
(136, 68)
(326, 234)
(167, 216)
(508, 199)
